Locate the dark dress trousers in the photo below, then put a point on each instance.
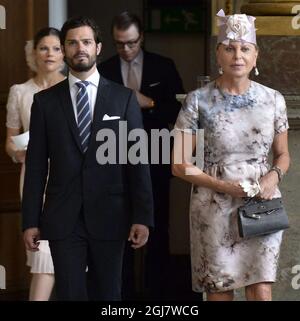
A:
(88, 208)
(161, 82)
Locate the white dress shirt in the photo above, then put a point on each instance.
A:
(137, 65)
(92, 89)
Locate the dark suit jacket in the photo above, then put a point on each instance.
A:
(160, 81)
(112, 196)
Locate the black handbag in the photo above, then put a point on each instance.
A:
(260, 217)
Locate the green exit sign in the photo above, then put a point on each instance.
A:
(176, 20)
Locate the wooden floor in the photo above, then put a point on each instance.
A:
(178, 284)
(14, 296)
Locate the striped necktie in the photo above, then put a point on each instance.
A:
(84, 119)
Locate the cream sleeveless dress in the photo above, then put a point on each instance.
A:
(19, 103)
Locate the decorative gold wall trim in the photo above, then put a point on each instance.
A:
(275, 26)
(267, 25)
(264, 1)
(216, 5)
(270, 9)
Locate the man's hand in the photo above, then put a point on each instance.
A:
(31, 236)
(144, 101)
(138, 235)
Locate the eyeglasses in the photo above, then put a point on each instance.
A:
(130, 44)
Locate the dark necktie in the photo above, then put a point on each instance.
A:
(84, 119)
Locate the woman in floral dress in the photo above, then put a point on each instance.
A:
(242, 122)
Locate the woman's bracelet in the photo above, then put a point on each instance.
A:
(279, 172)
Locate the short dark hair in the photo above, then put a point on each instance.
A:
(77, 22)
(44, 32)
(124, 20)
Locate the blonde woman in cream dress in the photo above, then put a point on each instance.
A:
(45, 58)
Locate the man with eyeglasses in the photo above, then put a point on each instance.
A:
(156, 82)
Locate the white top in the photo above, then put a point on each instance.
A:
(20, 99)
(92, 89)
(137, 65)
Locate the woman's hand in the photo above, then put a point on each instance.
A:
(234, 189)
(268, 184)
(31, 237)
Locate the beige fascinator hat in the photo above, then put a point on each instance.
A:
(30, 56)
(237, 27)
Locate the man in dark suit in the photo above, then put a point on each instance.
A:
(156, 83)
(90, 209)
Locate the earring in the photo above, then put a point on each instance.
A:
(220, 71)
(256, 72)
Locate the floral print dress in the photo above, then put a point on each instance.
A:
(238, 135)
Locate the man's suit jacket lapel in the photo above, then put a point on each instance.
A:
(101, 108)
(69, 112)
(116, 71)
(147, 69)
